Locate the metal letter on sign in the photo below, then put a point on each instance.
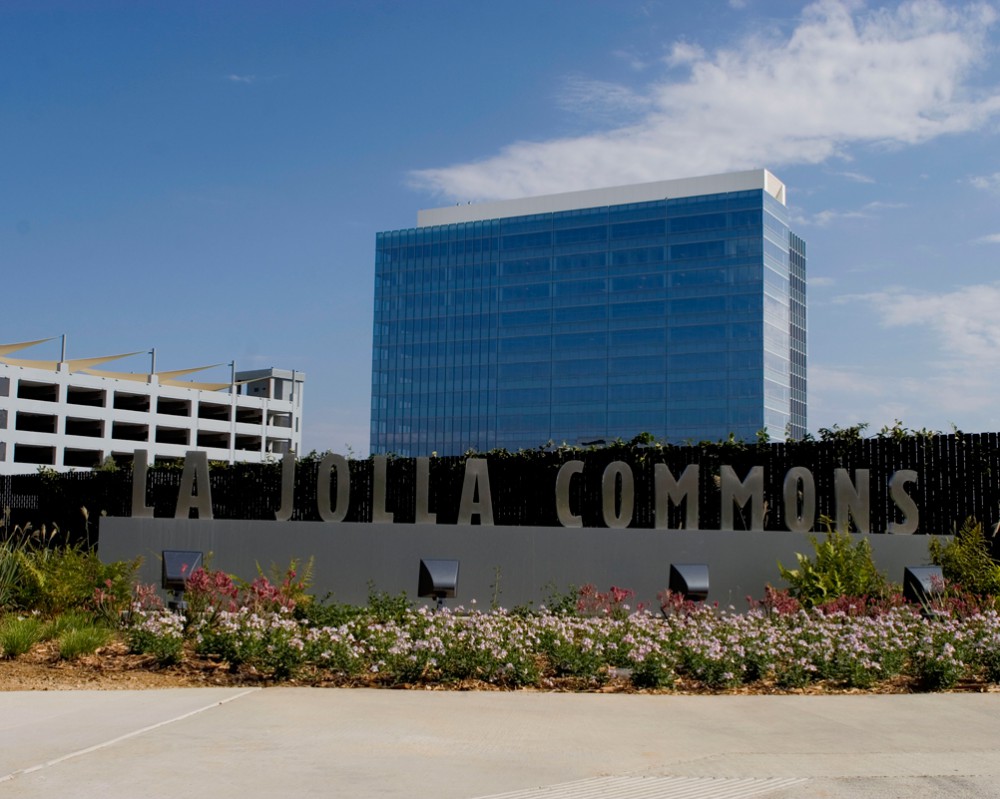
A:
(617, 517)
(326, 467)
(477, 479)
(195, 468)
(563, 479)
(800, 500)
(670, 490)
(911, 514)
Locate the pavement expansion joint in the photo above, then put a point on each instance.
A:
(133, 734)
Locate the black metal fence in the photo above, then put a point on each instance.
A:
(958, 476)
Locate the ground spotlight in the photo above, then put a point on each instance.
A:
(689, 580)
(438, 579)
(921, 584)
(178, 565)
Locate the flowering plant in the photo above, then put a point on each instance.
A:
(849, 643)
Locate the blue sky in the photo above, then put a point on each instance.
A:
(207, 178)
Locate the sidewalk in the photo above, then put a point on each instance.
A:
(279, 742)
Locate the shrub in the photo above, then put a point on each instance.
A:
(776, 600)
(14, 541)
(79, 641)
(483, 646)
(613, 604)
(326, 613)
(146, 599)
(561, 603)
(653, 670)
(270, 642)
(575, 647)
(939, 662)
(676, 603)
(53, 581)
(10, 572)
(838, 568)
(64, 622)
(336, 649)
(18, 635)
(385, 607)
(869, 605)
(210, 592)
(711, 650)
(988, 647)
(966, 560)
(288, 589)
(159, 633)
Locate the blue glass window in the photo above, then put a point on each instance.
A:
(683, 317)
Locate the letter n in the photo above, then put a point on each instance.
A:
(852, 499)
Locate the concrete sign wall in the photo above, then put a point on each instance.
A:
(530, 562)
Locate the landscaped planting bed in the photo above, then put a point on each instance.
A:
(688, 648)
(67, 620)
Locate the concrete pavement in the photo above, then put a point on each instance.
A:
(276, 742)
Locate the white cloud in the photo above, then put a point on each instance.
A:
(845, 396)
(844, 76)
(634, 61)
(825, 379)
(683, 53)
(992, 238)
(963, 322)
(601, 99)
(241, 78)
(946, 374)
(987, 182)
(857, 177)
(828, 217)
(879, 205)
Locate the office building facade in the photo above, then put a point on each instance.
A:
(675, 308)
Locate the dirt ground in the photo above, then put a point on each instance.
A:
(110, 668)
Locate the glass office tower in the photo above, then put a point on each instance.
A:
(675, 308)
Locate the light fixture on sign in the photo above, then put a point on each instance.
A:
(689, 580)
(178, 566)
(438, 579)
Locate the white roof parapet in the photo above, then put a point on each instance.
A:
(257, 374)
(596, 198)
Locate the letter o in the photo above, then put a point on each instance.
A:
(799, 522)
(609, 488)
